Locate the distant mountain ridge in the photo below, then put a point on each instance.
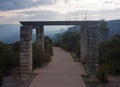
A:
(11, 32)
(74, 28)
(113, 25)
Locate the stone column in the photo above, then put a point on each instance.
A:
(25, 49)
(83, 44)
(40, 37)
(92, 49)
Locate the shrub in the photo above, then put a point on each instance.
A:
(102, 75)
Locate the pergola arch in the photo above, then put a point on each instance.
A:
(89, 42)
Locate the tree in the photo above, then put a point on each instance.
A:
(70, 41)
(109, 53)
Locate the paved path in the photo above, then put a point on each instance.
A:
(61, 72)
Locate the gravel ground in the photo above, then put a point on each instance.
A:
(114, 81)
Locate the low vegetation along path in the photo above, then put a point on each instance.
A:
(61, 72)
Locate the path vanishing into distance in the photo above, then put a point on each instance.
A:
(62, 71)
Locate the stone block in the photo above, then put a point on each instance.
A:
(26, 49)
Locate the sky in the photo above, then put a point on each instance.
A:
(13, 11)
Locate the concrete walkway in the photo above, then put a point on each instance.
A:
(61, 72)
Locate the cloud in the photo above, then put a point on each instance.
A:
(41, 15)
(64, 1)
(108, 2)
(108, 14)
(48, 15)
(2, 17)
(13, 11)
(21, 4)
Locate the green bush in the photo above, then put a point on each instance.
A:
(109, 54)
(69, 41)
(9, 58)
(102, 75)
(77, 49)
(37, 57)
(41, 57)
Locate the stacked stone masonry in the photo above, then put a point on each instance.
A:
(92, 50)
(40, 37)
(25, 49)
(26, 46)
(83, 44)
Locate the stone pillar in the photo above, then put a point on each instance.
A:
(25, 49)
(40, 37)
(83, 44)
(92, 49)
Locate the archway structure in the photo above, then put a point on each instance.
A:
(89, 42)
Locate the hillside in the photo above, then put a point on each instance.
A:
(73, 28)
(113, 25)
(11, 32)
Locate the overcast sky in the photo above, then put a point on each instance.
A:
(13, 11)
